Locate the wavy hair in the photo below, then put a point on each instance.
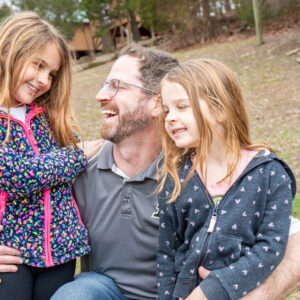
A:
(22, 37)
(213, 82)
(154, 64)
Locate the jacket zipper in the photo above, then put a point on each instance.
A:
(210, 229)
(213, 219)
(3, 200)
(47, 198)
(47, 221)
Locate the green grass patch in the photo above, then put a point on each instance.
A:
(296, 207)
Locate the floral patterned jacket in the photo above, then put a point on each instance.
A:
(37, 210)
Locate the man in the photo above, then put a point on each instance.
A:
(116, 194)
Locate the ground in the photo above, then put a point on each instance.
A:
(270, 81)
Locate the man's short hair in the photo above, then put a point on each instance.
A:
(154, 64)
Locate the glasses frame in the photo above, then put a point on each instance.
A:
(108, 83)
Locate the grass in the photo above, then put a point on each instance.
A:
(296, 207)
(270, 82)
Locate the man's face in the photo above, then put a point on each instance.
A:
(127, 112)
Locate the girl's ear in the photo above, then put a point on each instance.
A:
(155, 106)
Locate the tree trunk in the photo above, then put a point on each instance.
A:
(257, 19)
(227, 6)
(152, 31)
(129, 32)
(122, 33)
(207, 18)
(206, 9)
(106, 42)
(134, 26)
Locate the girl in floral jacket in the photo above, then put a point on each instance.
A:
(38, 159)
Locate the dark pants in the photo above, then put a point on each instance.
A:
(31, 283)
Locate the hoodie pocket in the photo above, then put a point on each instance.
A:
(222, 251)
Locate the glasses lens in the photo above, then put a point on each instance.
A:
(104, 84)
(113, 87)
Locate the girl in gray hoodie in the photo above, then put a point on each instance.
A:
(225, 201)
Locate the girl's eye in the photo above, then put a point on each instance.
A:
(166, 112)
(38, 65)
(51, 75)
(182, 107)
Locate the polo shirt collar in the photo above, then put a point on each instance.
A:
(105, 159)
(106, 162)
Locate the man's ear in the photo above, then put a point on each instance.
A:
(155, 106)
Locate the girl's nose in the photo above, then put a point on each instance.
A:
(171, 117)
(43, 78)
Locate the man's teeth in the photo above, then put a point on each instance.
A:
(109, 112)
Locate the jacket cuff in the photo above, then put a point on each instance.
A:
(83, 159)
(213, 289)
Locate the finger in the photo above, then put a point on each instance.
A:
(4, 250)
(203, 272)
(8, 260)
(1, 227)
(8, 268)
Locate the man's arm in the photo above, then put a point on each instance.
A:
(285, 278)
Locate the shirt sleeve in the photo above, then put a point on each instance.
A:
(295, 226)
(23, 176)
(260, 261)
(167, 245)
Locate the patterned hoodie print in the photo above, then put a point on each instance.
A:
(246, 243)
(37, 209)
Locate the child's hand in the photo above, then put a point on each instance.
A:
(90, 148)
(203, 273)
(196, 294)
(9, 258)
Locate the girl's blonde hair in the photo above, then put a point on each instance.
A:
(22, 37)
(213, 82)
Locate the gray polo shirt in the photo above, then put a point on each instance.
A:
(121, 215)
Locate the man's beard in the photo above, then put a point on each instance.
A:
(129, 124)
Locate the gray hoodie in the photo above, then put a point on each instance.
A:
(247, 242)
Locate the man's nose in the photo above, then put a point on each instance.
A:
(102, 94)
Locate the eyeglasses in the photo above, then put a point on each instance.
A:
(113, 87)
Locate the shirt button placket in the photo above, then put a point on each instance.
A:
(126, 208)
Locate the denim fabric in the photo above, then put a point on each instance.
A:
(89, 286)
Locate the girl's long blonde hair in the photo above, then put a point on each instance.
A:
(213, 82)
(22, 37)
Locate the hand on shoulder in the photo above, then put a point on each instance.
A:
(90, 148)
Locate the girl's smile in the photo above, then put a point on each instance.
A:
(180, 122)
(36, 77)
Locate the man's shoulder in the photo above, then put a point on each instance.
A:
(104, 153)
